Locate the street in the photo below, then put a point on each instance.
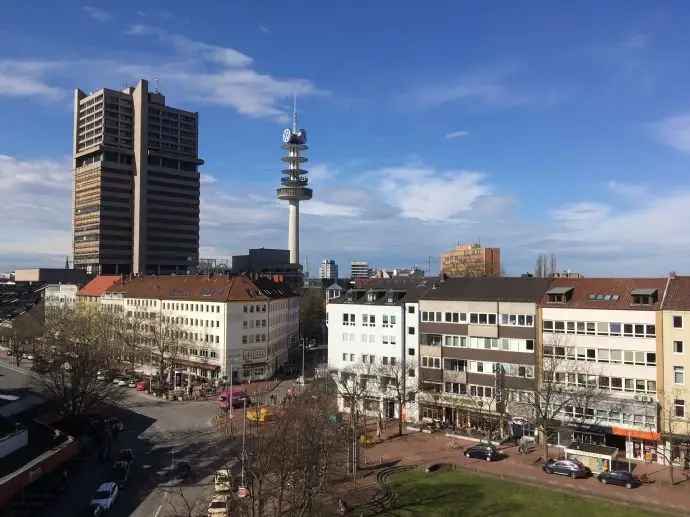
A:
(161, 434)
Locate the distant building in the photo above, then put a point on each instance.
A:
(96, 288)
(52, 276)
(413, 272)
(328, 269)
(359, 269)
(567, 274)
(471, 260)
(262, 260)
(136, 183)
(333, 291)
(60, 295)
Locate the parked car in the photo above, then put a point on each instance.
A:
(141, 386)
(106, 495)
(218, 507)
(126, 455)
(117, 380)
(100, 376)
(238, 397)
(28, 357)
(572, 468)
(222, 481)
(122, 382)
(121, 471)
(619, 477)
(132, 383)
(483, 451)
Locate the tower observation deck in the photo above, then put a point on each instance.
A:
(294, 183)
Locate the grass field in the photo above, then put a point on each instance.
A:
(463, 493)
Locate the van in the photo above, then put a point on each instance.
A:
(238, 397)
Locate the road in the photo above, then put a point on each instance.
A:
(160, 433)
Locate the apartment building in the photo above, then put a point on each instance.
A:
(328, 270)
(674, 390)
(471, 260)
(478, 351)
(136, 183)
(367, 350)
(605, 334)
(228, 325)
(58, 296)
(359, 269)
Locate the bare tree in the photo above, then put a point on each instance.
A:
(23, 332)
(393, 384)
(76, 345)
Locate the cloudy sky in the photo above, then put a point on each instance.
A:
(542, 129)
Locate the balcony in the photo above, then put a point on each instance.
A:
(455, 376)
(294, 193)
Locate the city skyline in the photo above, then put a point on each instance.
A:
(565, 133)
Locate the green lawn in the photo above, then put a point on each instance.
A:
(463, 493)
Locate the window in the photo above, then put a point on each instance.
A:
(615, 329)
(352, 358)
(345, 318)
(677, 347)
(410, 351)
(548, 326)
(410, 309)
(679, 406)
(410, 372)
(410, 330)
(449, 317)
(344, 357)
(678, 375)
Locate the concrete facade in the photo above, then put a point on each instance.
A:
(136, 183)
(471, 260)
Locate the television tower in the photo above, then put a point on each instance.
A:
(294, 181)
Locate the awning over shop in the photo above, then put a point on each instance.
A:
(650, 436)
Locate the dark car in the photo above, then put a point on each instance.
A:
(483, 452)
(619, 477)
(572, 468)
(126, 455)
(121, 473)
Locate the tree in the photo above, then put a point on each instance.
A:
(545, 265)
(23, 332)
(393, 383)
(554, 391)
(312, 314)
(76, 345)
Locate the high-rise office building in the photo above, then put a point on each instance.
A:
(136, 183)
(471, 260)
(328, 269)
(359, 269)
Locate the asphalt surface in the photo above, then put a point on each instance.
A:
(161, 434)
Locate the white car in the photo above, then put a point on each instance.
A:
(28, 357)
(105, 495)
(122, 382)
(218, 507)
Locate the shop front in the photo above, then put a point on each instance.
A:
(639, 445)
(599, 458)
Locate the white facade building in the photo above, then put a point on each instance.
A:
(605, 333)
(60, 295)
(328, 270)
(367, 344)
(228, 324)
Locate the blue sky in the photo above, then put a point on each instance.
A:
(543, 129)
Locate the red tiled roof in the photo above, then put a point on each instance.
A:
(201, 288)
(678, 295)
(583, 287)
(99, 285)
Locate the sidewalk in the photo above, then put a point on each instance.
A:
(425, 449)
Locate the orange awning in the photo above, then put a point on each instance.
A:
(639, 435)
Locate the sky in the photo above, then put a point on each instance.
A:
(543, 128)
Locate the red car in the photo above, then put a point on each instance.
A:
(141, 386)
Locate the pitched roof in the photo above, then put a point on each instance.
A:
(617, 292)
(202, 288)
(401, 290)
(506, 289)
(99, 285)
(678, 294)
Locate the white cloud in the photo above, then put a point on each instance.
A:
(637, 41)
(207, 179)
(98, 14)
(325, 209)
(674, 131)
(264, 29)
(27, 79)
(424, 193)
(35, 210)
(456, 134)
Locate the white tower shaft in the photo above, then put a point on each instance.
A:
(293, 231)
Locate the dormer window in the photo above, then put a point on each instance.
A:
(371, 297)
(644, 296)
(559, 294)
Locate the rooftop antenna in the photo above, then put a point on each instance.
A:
(294, 113)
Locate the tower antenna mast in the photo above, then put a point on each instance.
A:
(294, 113)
